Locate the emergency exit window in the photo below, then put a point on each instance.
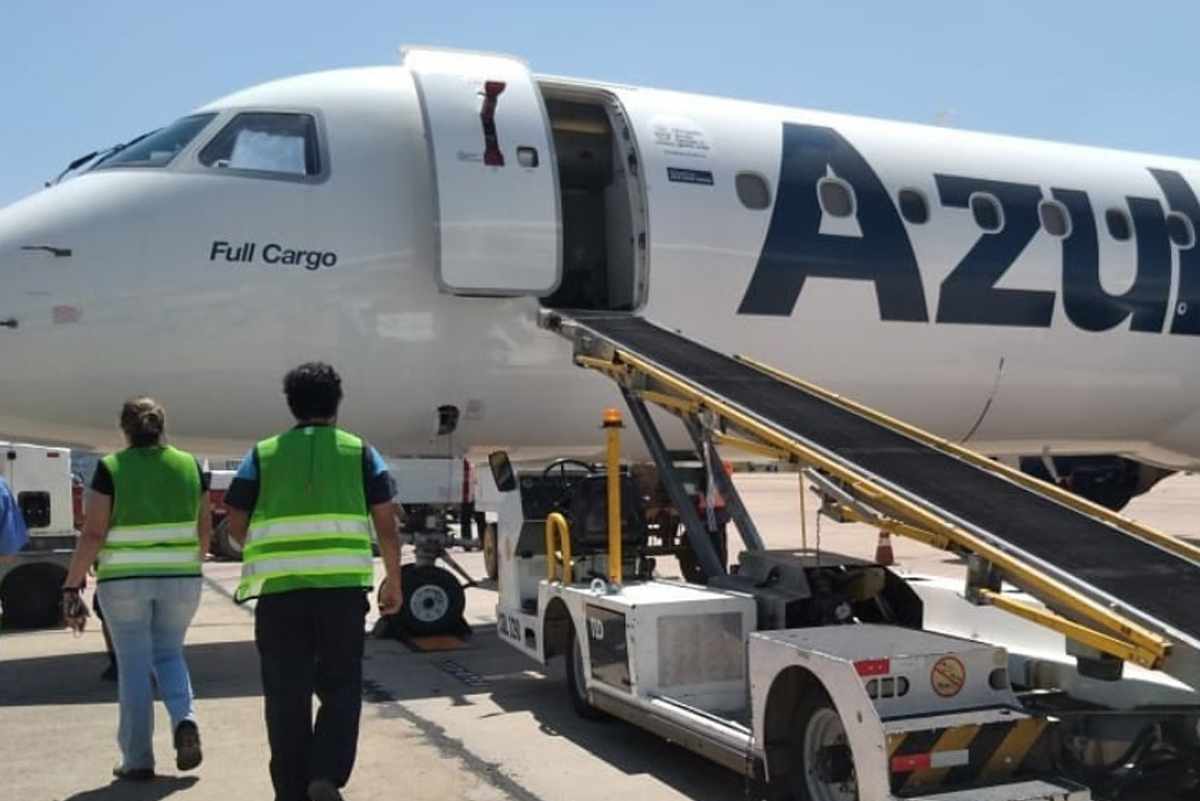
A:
(266, 142)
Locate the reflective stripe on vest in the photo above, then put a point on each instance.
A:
(153, 531)
(304, 536)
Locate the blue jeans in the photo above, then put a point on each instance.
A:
(148, 619)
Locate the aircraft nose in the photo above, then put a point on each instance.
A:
(29, 229)
(44, 240)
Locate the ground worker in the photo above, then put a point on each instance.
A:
(149, 524)
(13, 534)
(307, 498)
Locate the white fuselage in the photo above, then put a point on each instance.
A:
(150, 302)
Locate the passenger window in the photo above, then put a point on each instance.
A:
(752, 190)
(284, 144)
(836, 198)
(1118, 224)
(913, 206)
(1055, 218)
(987, 212)
(1180, 229)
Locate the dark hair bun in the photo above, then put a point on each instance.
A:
(151, 422)
(143, 420)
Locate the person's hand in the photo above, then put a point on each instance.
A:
(391, 596)
(74, 611)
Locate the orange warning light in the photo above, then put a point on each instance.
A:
(612, 417)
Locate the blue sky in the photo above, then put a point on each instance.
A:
(77, 74)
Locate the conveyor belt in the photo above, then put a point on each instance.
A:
(1152, 583)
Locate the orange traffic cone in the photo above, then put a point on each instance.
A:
(883, 551)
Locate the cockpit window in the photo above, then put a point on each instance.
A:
(159, 148)
(284, 144)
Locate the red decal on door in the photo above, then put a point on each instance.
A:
(487, 115)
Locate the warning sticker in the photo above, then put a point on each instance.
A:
(684, 176)
(680, 136)
(948, 677)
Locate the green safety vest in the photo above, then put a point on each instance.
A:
(310, 528)
(152, 531)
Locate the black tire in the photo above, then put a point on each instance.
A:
(224, 545)
(30, 596)
(433, 600)
(491, 553)
(576, 679)
(815, 714)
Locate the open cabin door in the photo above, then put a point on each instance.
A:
(498, 220)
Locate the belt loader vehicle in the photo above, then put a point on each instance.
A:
(1061, 670)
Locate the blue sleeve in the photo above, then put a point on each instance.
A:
(376, 478)
(375, 462)
(248, 469)
(13, 534)
(243, 490)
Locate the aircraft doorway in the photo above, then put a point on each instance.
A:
(603, 211)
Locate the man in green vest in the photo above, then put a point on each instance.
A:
(304, 503)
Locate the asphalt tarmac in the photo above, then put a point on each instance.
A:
(479, 723)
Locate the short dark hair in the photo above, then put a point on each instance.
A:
(313, 390)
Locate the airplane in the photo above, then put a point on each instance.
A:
(407, 223)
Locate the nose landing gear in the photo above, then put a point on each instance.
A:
(434, 598)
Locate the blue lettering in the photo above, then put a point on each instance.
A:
(969, 293)
(795, 249)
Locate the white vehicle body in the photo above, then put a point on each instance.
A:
(31, 580)
(426, 480)
(40, 479)
(414, 263)
(697, 666)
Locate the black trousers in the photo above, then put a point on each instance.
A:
(311, 641)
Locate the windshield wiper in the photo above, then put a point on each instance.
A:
(115, 150)
(74, 165)
(98, 155)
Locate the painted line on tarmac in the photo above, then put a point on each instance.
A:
(375, 693)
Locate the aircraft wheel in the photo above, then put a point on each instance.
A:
(491, 555)
(433, 600)
(226, 546)
(30, 596)
(577, 679)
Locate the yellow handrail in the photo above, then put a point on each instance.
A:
(1112, 646)
(612, 427)
(558, 529)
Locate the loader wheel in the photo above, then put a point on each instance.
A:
(30, 596)
(577, 671)
(226, 546)
(491, 556)
(823, 769)
(433, 600)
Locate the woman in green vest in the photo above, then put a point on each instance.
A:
(148, 528)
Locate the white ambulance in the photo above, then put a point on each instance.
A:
(30, 582)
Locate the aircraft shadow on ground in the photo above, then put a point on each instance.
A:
(155, 790)
(519, 686)
(218, 670)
